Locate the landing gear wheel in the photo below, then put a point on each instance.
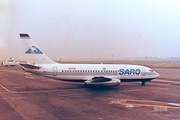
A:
(143, 83)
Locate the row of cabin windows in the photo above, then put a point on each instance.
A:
(90, 71)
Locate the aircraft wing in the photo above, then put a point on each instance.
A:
(99, 79)
(29, 66)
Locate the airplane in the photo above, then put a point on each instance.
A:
(91, 74)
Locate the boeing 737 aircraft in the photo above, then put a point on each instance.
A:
(91, 74)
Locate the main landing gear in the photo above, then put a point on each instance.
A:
(143, 83)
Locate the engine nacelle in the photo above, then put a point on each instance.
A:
(110, 83)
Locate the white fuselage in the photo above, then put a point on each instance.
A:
(86, 71)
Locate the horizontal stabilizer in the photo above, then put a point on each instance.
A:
(30, 66)
(24, 36)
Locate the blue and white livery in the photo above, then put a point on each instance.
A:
(91, 74)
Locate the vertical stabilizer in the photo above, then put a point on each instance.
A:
(32, 52)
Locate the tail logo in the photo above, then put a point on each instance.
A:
(33, 50)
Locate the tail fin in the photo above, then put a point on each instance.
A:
(33, 54)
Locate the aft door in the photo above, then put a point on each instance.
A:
(55, 71)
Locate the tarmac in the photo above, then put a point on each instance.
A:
(25, 96)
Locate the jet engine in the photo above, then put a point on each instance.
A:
(102, 82)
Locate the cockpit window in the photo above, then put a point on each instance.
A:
(150, 70)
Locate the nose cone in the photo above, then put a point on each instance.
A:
(156, 74)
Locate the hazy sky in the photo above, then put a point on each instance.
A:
(90, 29)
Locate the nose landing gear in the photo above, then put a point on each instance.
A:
(143, 82)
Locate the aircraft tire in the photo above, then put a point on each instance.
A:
(143, 83)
